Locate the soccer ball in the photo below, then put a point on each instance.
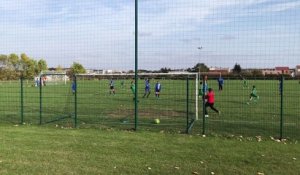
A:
(156, 121)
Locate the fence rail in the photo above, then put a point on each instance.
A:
(93, 104)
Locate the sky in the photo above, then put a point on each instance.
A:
(100, 34)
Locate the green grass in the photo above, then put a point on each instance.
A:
(44, 150)
(98, 109)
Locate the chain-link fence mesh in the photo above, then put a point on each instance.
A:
(247, 43)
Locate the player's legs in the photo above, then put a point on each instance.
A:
(157, 94)
(252, 96)
(211, 105)
(205, 109)
(110, 89)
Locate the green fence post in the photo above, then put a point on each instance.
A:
(75, 117)
(22, 101)
(40, 84)
(187, 105)
(136, 68)
(281, 107)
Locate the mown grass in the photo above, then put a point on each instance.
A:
(44, 150)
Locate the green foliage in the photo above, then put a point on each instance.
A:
(11, 66)
(165, 70)
(8, 67)
(199, 67)
(42, 65)
(76, 68)
(59, 69)
(14, 60)
(29, 67)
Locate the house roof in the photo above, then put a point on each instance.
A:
(282, 68)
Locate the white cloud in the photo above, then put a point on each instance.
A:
(279, 7)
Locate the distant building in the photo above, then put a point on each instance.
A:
(297, 70)
(283, 70)
(276, 71)
(218, 71)
(268, 71)
(111, 72)
(94, 71)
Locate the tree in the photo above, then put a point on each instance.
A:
(29, 66)
(14, 60)
(3, 61)
(42, 65)
(76, 68)
(59, 69)
(257, 73)
(237, 69)
(12, 66)
(165, 70)
(199, 67)
(8, 69)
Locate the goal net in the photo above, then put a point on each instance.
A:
(109, 98)
(56, 99)
(53, 78)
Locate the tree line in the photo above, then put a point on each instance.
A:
(13, 66)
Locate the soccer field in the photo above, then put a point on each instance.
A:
(43, 150)
(98, 109)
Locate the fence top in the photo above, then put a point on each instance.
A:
(132, 74)
(52, 73)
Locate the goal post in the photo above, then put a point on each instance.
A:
(54, 78)
(56, 100)
(170, 106)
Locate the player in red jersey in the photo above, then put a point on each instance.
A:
(210, 97)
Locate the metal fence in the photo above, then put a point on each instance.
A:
(229, 37)
(274, 114)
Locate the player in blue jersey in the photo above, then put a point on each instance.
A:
(220, 83)
(157, 89)
(147, 88)
(112, 86)
(74, 87)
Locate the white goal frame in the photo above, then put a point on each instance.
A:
(159, 74)
(64, 74)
